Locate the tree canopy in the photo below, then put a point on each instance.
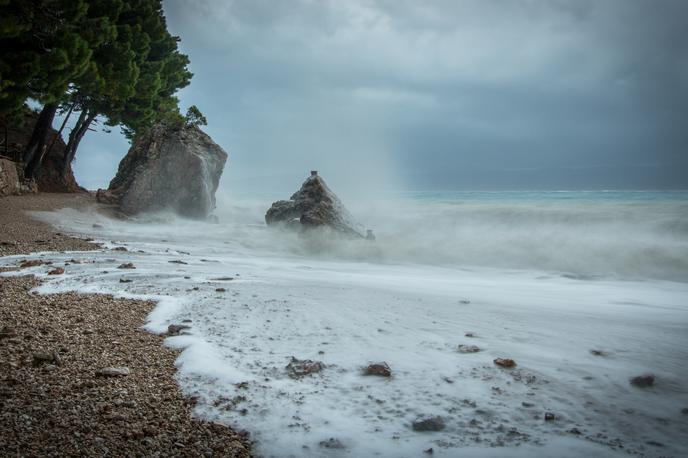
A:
(108, 59)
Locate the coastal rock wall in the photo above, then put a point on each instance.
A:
(50, 178)
(169, 168)
(11, 182)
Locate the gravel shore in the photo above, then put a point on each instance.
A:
(55, 398)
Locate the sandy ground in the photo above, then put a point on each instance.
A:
(53, 401)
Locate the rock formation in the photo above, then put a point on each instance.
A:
(169, 168)
(314, 205)
(50, 177)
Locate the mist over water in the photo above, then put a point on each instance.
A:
(628, 235)
(543, 278)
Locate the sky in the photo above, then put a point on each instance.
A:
(434, 95)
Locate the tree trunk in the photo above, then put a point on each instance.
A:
(85, 119)
(59, 132)
(33, 154)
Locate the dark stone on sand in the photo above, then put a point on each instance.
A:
(113, 372)
(298, 368)
(41, 357)
(379, 369)
(643, 381)
(434, 423)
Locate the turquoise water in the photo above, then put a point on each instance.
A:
(554, 196)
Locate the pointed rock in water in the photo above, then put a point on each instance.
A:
(314, 205)
(174, 168)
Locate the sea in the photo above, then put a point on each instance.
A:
(584, 290)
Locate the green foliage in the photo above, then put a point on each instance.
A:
(194, 117)
(110, 58)
(41, 50)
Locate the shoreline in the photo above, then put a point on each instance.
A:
(52, 348)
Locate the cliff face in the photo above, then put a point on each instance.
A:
(314, 205)
(176, 169)
(49, 178)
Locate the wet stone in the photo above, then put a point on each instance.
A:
(298, 368)
(126, 265)
(643, 381)
(434, 423)
(505, 362)
(332, 443)
(57, 271)
(176, 329)
(379, 369)
(468, 349)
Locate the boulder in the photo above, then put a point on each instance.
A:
(315, 205)
(50, 177)
(168, 168)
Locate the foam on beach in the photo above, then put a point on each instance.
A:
(285, 302)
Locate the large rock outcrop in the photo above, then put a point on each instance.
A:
(312, 206)
(49, 177)
(169, 168)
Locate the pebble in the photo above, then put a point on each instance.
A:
(332, 443)
(379, 369)
(643, 381)
(434, 423)
(505, 362)
(298, 368)
(468, 349)
(176, 329)
(113, 372)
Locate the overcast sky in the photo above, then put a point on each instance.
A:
(406, 94)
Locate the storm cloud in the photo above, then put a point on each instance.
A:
(401, 94)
